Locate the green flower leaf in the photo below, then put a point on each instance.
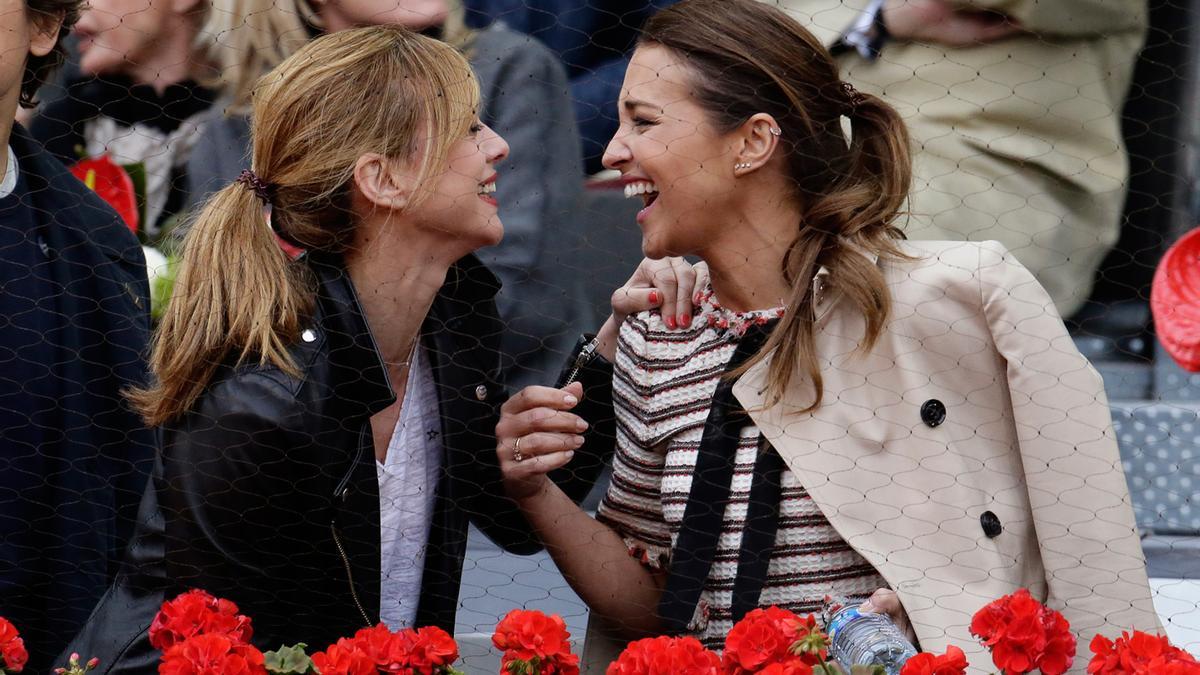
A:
(290, 661)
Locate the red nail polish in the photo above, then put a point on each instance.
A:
(685, 320)
(670, 321)
(654, 297)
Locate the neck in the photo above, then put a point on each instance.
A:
(164, 66)
(8, 113)
(746, 263)
(397, 278)
(5, 135)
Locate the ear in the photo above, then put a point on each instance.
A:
(386, 183)
(758, 137)
(43, 34)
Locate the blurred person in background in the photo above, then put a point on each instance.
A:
(1015, 111)
(524, 98)
(74, 325)
(135, 98)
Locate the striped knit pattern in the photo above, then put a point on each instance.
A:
(663, 386)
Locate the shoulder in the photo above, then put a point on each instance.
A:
(243, 407)
(76, 211)
(943, 269)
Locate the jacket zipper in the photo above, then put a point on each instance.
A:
(340, 493)
(337, 541)
(585, 355)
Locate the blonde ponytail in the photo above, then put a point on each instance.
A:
(236, 291)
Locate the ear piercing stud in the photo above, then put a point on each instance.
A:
(742, 165)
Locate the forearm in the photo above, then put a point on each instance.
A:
(595, 562)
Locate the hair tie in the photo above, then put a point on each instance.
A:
(853, 99)
(258, 186)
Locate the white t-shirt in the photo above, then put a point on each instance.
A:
(408, 480)
(9, 183)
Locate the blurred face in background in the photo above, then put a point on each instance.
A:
(21, 37)
(118, 36)
(413, 14)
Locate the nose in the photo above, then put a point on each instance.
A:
(493, 145)
(617, 153)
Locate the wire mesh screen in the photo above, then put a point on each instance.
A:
(261, 334)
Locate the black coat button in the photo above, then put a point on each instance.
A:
(991, 524)
(933, 412)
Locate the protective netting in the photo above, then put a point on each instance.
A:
(959, 456)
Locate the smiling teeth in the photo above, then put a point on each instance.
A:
(640, 188)
(487, 189)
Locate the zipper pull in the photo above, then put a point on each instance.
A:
(585, 354)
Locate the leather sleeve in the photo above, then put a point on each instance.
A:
(1082, 513)
(238, 500)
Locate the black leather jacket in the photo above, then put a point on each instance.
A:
(267, 490)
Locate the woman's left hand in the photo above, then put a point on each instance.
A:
(885, 601)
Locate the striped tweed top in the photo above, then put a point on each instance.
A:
(663, 385)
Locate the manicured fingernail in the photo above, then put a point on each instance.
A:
(578, 441)
(654, 297)
(670, 321)
(570, 454)
(570, 400)
(581, 425)
(685, 320)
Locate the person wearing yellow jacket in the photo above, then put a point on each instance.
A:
(1015, 111)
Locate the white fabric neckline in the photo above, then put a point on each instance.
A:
(408, 479)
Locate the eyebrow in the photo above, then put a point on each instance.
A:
(631, 103)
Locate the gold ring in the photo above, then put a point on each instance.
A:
(517, 456)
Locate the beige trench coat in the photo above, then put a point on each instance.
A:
(1017, 140)
(1027, 437)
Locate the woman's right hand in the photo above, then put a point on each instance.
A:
(669, 284)
(537, 434)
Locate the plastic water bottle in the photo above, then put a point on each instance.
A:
(866, 639)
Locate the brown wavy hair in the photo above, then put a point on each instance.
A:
(379, 89)
(747, 57)
(38, 69)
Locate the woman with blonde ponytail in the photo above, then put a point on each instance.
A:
(326, 417)
(840, 412)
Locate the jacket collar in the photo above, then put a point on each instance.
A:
(357, 369)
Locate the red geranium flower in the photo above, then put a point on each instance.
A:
(1138, 654)
(13, 656)
(796, 666)
(772, 635)
(1025, 635)
(197, 613)
(655, 656)
(111, 183)
(533, 643)
(377, 642)
(953, 662)
(428, 649)
(212, 654)
(422, 652)
(342, 659)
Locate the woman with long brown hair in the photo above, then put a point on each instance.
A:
(847, 413)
